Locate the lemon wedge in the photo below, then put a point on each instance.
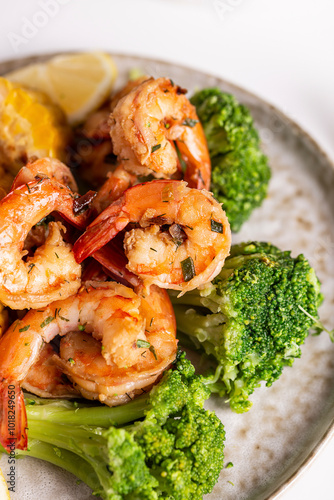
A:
(4, 493)
(30, 125)
(78, 83)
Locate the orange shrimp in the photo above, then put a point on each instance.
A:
(182, 240)
(115, 316)
(45, 167)
(144, 124)
(52, 272)
(83, 362)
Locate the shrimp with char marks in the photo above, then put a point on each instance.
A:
(52, 271)
(182, 240)
(134, 350)
(144, 124)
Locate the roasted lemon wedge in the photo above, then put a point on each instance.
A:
(30, 125)
(78, 83)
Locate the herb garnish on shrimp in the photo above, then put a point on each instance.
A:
(182, 239)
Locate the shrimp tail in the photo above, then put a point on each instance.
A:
(104, 228)
(114, 262)
(13, 417)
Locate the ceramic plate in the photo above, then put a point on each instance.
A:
(290, 421)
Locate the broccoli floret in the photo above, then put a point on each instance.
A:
(240, 171)
(175, 451)
(252, 318)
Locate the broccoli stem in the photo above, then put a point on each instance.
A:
(204, 329)
(62, 458)
(67, 412)
(190, 298)
(86, 442)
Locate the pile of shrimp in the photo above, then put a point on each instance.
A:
(84, 278)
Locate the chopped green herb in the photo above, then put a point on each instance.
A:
(171, 82)
(153, 351)
(216, 227)
(181, 160)
(189, 122)
(153, 249)
(229, 465)
(152, 319)
(56, 255)
(82, 327)
(30, 267)
(61, 317)
(24, 328)
(71, 360)
(45, 221)
(167, 125)
(27, 343)
(143, 344)
(155, 148)
(188, 269)
(47, 321)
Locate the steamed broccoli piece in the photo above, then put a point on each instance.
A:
(174, 452)
(240, 171)
(251, 318)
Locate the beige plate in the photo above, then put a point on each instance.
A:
(290, 421)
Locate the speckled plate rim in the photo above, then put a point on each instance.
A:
(12, 64)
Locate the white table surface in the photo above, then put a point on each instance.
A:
(280, 50)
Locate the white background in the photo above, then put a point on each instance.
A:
(279, 49)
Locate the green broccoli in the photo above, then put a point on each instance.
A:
(252, 318)
(174, 452)
(240, 171)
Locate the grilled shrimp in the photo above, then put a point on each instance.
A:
(83, 362)
(182, 240)
(52, 272)
(144, 124)
(114, 315)
(45, 167)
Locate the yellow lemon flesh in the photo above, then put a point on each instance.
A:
(78, 83)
